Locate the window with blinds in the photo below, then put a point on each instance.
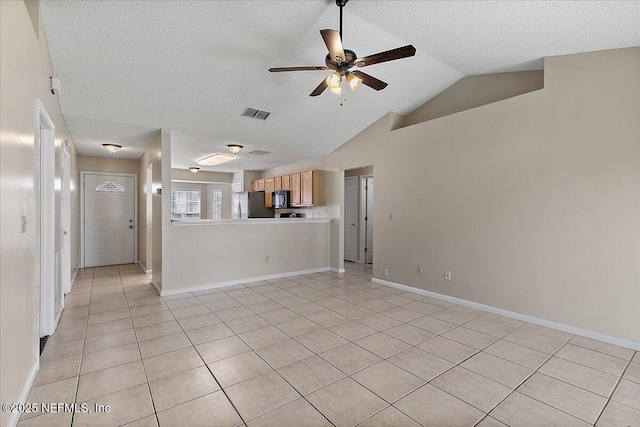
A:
(217, 204)
(185, 204)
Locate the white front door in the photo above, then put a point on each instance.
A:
(109, 223)
(369, 220)
(350, 218)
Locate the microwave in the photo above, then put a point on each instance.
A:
(281, 199)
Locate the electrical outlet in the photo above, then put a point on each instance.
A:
(447, 275)
(23, 223)
(266, 258)
(419, 269)
(326, 209)
(386, 272)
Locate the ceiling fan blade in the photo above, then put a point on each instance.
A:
(334, 44)
(389, 55)
(370, 81)
(309, 68)
(321, 87)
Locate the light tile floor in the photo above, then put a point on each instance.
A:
(318, 350)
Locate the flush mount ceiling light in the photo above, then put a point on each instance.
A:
(216, 159)
(112, 148)
(194, 169)
(235, 148)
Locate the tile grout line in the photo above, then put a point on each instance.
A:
(615, 387)
(84, 342)
(208, 369)
(144, 369)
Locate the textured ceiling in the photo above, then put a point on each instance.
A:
(130, 67)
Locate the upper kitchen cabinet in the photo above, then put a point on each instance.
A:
(311, 188)
(294, 187)
(285, 183)
(277, 183)
(269, 188)
(260, 185)
(254, 185)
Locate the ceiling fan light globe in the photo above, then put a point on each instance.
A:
(354, 81)
(334, 80)
(336, 90)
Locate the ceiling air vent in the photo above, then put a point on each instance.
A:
(258, 152)
(256, 114)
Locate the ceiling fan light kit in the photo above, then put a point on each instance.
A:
(342, 60)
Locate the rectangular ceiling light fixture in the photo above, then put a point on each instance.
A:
(216, 159)
(255, 113)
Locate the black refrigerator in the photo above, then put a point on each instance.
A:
(257, 208)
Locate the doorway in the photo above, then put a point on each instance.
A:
(50, 301)
(148, 264)
(351, 218)
(366, 218)
(108, 219)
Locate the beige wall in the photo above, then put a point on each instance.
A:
(24, 76)
(145, 209)
(475, 91)
(202, 255)
(152, 259)
(365, 170)
(532, 202)
(204, 176)
(108, 164)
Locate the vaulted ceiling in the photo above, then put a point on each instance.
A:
(128, 68)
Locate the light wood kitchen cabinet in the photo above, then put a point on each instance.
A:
(307, 188)
(260, 185)
(269, 188)
(294, 187)
(277, 183)
(312, 188)
(285, 183)
(254, 185)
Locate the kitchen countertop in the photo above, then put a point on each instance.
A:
(251, 221)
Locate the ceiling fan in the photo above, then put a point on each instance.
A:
(342, 60)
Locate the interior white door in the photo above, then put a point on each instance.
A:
(109, 223)
(369, 221)
(350, 218)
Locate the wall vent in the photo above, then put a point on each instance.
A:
(259, 152)
(255, 113)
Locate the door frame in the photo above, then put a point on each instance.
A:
(135, 211)
(45, 235)
(66, 218)
(362, 259)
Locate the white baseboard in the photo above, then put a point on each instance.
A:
(240, 281)
(155, 285)
(337, 270)
(519, 316)
(73, 279)
(15, 416)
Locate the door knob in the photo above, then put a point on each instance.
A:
(130, 220)
(353, 224)
(130, 226)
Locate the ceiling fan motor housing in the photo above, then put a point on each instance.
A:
(341, 67)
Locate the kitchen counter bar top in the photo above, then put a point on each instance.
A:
(250, 221)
